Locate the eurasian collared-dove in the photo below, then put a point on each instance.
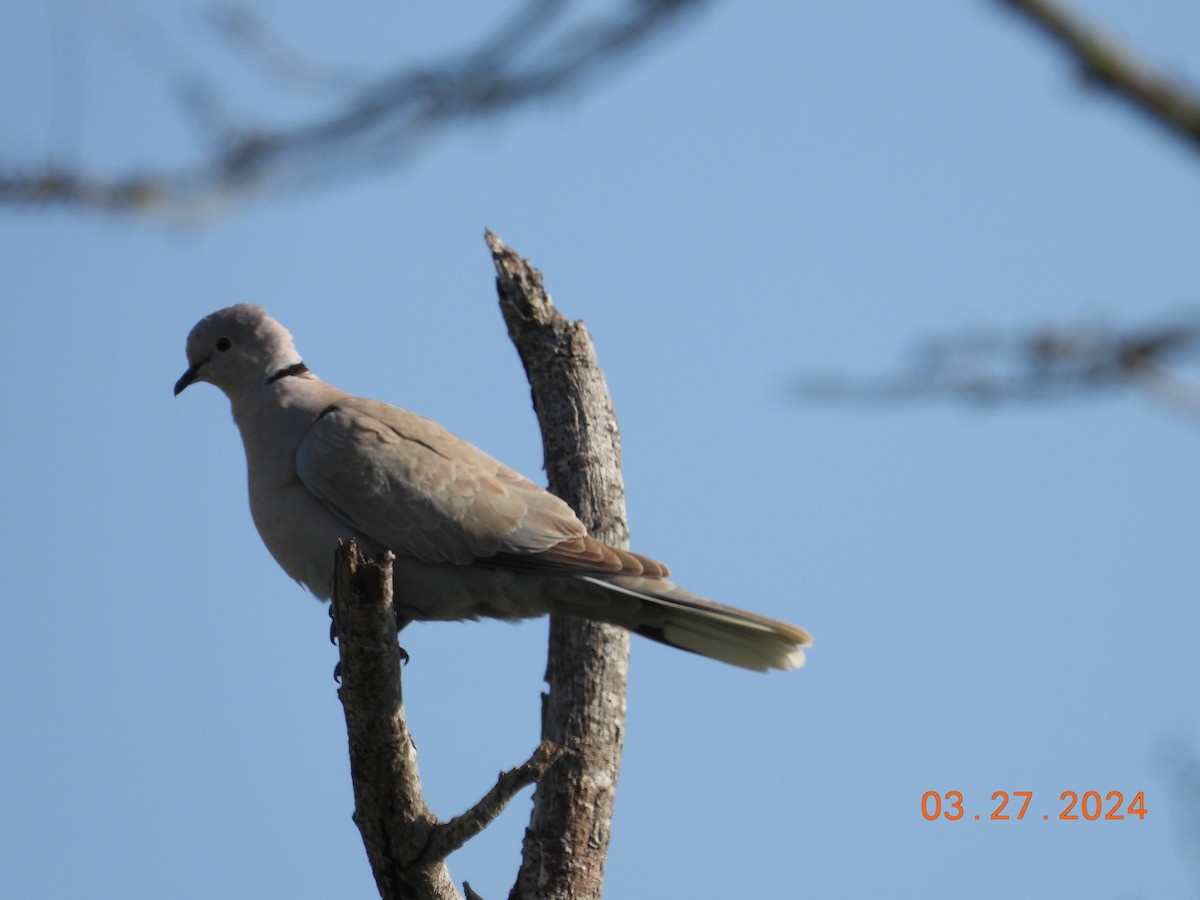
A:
(471, 537)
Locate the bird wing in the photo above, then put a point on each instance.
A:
(419, 490)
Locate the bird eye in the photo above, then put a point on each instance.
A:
(223, 344)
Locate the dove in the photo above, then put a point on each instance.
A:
(471, 537)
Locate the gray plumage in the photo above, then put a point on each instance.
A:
(471, 536)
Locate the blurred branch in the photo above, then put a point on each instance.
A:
(534, 55)
(1040, 365)
(247, 32)
(1107, 64)
(1179, 765)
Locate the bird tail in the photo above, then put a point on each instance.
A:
(664, 612)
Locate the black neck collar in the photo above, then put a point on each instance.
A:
(294, 369)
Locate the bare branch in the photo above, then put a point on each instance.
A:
(451, 835)
(1111, 66)
(1040, 365)
(389, 807)
(243, 28)
(577, 763)
(566, 843)
(383, 123)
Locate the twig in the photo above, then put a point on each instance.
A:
(245, 30)
(449, 836)
(1046, 364)
(385, 122)
(1110, 65)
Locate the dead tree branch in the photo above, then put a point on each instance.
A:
(406, 845)
(1109, 65)
(584, 711)
(252, 36)
(389, 807)
(451, 835)
(1048, 364)
(539, 53)
(578, 761)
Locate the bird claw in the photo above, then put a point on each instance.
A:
(333, 636)
(401, 621)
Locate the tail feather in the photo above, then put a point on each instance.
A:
(662, 611)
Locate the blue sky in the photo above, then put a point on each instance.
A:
(1001, 600)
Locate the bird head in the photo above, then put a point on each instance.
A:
(237, 349)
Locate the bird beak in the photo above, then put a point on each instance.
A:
(188, 377)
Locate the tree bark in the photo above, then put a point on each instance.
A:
(566, 843)
(406, 845)
(389, 808)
